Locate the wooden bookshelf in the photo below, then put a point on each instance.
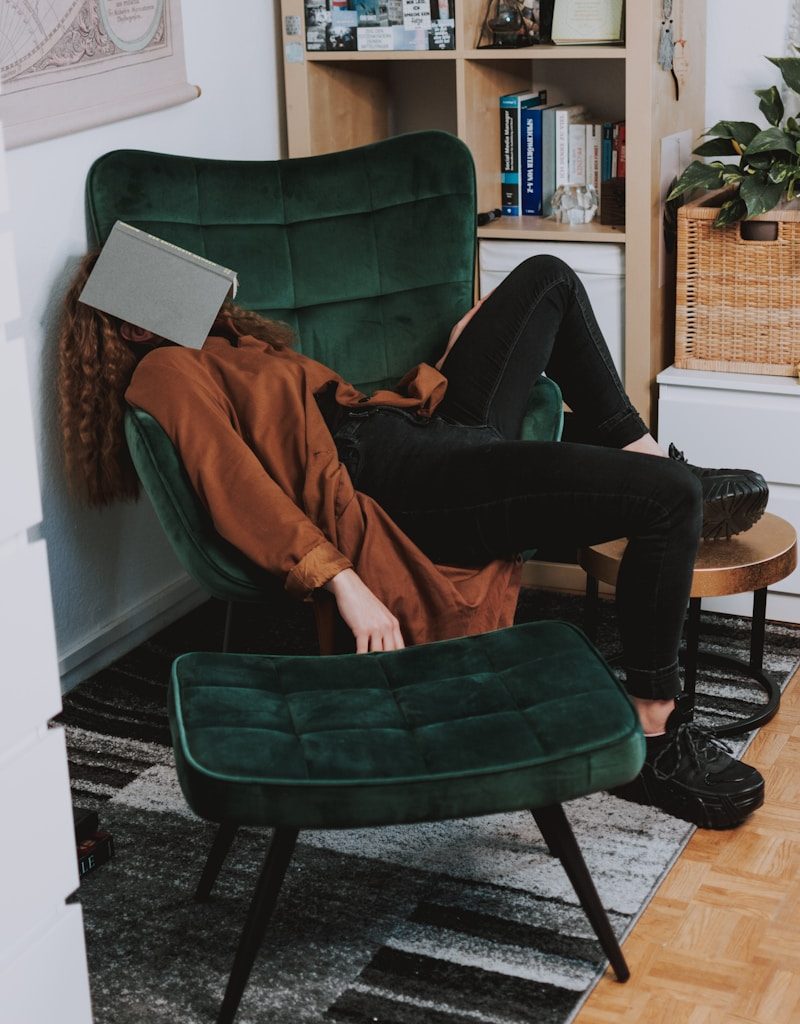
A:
(336, 100)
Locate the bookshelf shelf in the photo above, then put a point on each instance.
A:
(537, 53)
(336, 100)
(543, 229)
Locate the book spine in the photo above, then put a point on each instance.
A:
(94, 851)
(562, 147)
(615, 149)
(607, 140)
(509, 165)
(526, 159)
(532, 168)
(577, 154)
(548, 160)
(621, 157)
(594, 145)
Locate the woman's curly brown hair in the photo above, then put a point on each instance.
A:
(95, 367)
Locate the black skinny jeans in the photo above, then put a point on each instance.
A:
(467, 491)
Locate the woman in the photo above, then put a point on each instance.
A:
(264, 433)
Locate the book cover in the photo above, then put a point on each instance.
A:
(511, 149)
(97, 849)
(548, 158)
(158, 286)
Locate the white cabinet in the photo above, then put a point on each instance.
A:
(740, 420)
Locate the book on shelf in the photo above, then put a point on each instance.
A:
(549, 157)
(565, 116)
(511, 147)
(93, 851)
(594, 154)
(532, 133)
(576, 158)
(587, 22)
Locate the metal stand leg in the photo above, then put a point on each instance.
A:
(216, 858)
(590, 608)
(266, 896)
(758, 629)
(560, 839)
(692, 642)
(754, 669)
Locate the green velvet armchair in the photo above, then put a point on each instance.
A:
(368, 253)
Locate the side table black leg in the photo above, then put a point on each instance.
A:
(692, 643)
(590, 608)
(758, 629)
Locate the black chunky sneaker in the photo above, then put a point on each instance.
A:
(733, 499)
(689, 774)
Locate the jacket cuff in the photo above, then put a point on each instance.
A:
(314, 570)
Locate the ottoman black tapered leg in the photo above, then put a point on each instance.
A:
(216, 858)
(561, 841)
(266, 896)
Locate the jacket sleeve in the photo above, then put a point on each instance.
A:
(246, 506)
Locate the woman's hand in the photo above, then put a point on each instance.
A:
(371, 622)
(459, 327)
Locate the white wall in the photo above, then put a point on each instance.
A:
(741, 34)
(113, 571)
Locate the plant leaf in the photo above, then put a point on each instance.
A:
(779, 172)
(759, 161)
(732, 210)
(792, 127)
(732, 174)
(742, 131)
(760, 194)
(696, 175)
(771, 105)
(790, 69)
(717, 147)
(770, 139)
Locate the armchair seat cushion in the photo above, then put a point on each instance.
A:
(519, 718)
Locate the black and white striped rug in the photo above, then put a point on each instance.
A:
(461, 922)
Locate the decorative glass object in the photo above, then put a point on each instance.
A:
(574, 204)
(510, 23)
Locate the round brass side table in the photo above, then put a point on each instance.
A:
(753, 561)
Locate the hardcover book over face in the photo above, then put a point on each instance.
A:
(145, 281)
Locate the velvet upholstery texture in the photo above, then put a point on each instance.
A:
(368, 253)
(523, 717)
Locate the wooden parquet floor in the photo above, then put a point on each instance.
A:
(720, 942)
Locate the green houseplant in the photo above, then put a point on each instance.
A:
(768, 169)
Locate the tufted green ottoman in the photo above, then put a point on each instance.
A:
(525, 717)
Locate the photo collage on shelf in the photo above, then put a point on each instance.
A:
(380, 25)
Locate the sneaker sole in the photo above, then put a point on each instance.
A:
(726, 516)
(713, 812)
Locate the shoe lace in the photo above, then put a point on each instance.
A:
(676, 454)
(695, 742)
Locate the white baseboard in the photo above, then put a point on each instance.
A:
(781, 607)
(113, 639)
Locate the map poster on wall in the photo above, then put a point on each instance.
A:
(66, 65)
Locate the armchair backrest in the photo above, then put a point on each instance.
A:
(368, 253)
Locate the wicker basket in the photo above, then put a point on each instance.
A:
(737, 302)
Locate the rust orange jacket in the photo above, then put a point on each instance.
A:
(259, 454)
